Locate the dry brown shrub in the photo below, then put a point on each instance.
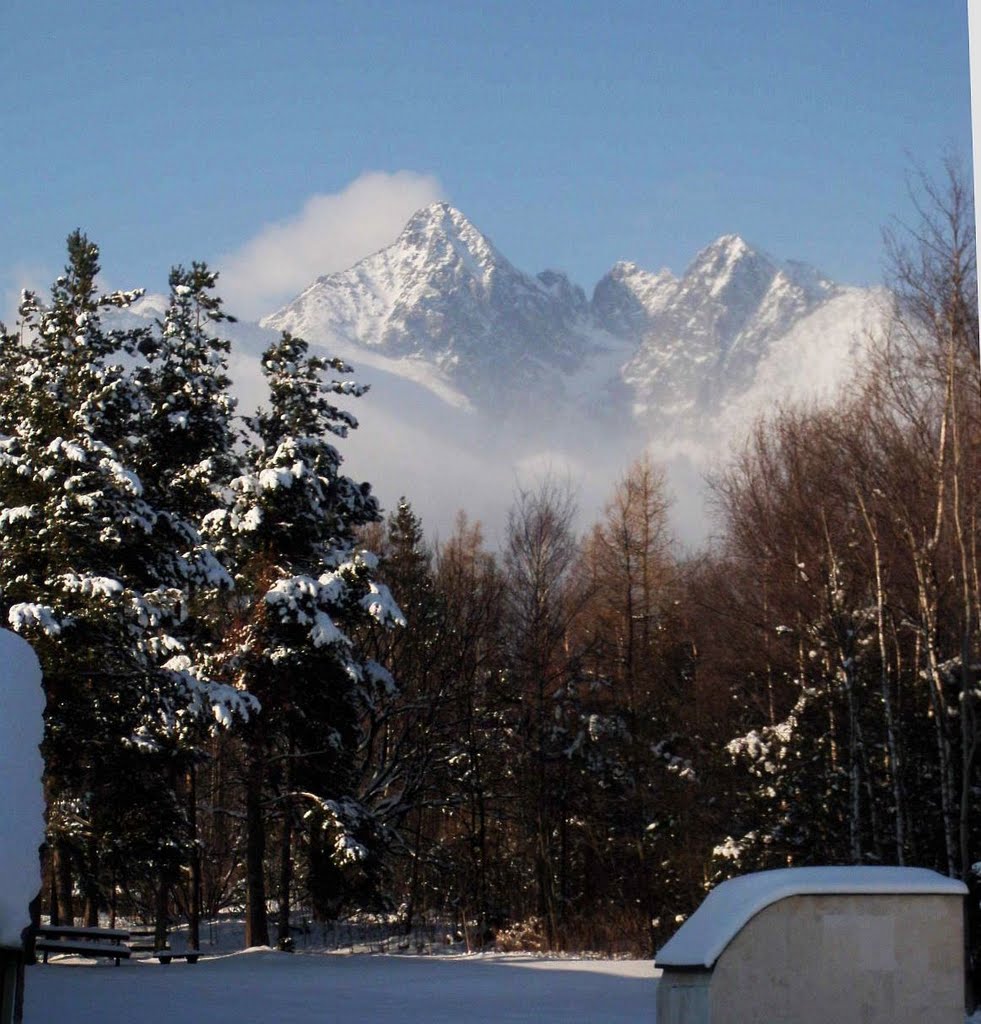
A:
(526, 936)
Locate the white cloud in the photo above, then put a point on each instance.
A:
(330, 233)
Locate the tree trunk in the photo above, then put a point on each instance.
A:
(483, 889)
(410, 906)
(91, 915)
(160, 915)
(51, 880)
(893, 765)
(194, 903)
(928, 624)
(63, 876)
(90, 886)
(256, 923)
(112, 898)
(285, 871)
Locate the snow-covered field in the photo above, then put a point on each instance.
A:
(260, 986)
(340, 975)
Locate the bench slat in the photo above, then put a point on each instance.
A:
(82, 948)
(71, 932)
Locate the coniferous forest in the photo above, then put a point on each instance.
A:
(264, 695)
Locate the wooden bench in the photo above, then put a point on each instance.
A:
(144, 943)
(144, 946)
(70, 941)
(143, 940)
(165, 958)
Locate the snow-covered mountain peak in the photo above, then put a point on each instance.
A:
(441, 234)
(628, 297)
(637, 277)
(438, 254)
(437, 218)
(705, 342)
(443, 295)
(729, 247)
(730, 264)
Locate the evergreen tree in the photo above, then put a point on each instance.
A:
(185, 449)
(183, 445)
(303, 587)
(91, 572)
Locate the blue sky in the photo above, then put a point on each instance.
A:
(573, 133)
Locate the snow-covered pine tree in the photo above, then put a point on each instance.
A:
(185, 451)
(92, 574)
(183, 447)
(302, 587)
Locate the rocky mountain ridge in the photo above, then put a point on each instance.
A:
(668, 351)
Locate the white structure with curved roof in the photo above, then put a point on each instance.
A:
(853, 945)
(730, 905)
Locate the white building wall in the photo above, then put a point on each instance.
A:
(848, 959)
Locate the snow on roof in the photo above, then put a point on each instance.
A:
(21, 730)
(727, 908)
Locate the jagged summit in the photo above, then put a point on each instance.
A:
(730, 263)
(731, 258)
(439, 216)
(729, 247)
(442, 295)
(434, 212)
(440, 231)
(627, 298)
(716, 323)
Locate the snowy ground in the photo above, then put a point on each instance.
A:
(262, 986)
(341, 975)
